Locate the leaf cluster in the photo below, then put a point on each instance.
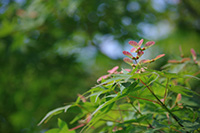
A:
(149, 101)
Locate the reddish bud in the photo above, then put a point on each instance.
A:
(149, 44)
(142, 70)
(178, 98)
(127, 54)
(128, 70)
(114, 69)
(180, 49)
(184, 60)
(128, 60)
(145, 61)
(138, 49)
(137, 57)
(159, 56)
(133, 43)
(140, 53)
(143, 48)
(82, 98)
(140, 43)
(194, 56)
(102, 77)
(173, 61)
(176, 61)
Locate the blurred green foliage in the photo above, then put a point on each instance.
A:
(52, 50)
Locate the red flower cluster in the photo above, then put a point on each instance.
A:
(140, 51)
(194, 57)
(136, 49)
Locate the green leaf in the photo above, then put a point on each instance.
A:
(119, 96)
(191, 76)
(165, 74)
(153, 78)
(54, 112)
(191, 126)
(138, 75)
(94, 96)
(121, 88)
(131, 87)
(63, 127)
(137, 120)
(102, 106)
(191, 102)
(54, 130)
(98, 93)
(182, 90)
(134, 70)
(62, 124)
(107, 108)
(78, 117)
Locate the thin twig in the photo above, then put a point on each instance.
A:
(163, 105)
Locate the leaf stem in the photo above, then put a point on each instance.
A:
(163, 105)
(165, 95)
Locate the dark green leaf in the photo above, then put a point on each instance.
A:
(182, 90)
